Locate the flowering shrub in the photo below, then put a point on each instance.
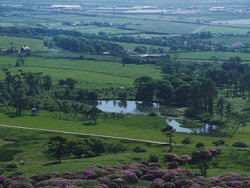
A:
(173, 165)
(90, 173)
(148, 176)
(172, 157)
(183, 182)
(1, 171)
(2, 179)
(131, 175)
(16, 182)
(215, 152)
(186, 158)
(120, 181)
(169, 185)
(55, 182)
(158, 183)
(43, 177)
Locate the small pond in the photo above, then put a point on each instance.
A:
(204, 129)
(126, 107)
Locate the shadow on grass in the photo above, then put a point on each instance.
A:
(51, 163)
(12, 114)
(89, 123)
(7, 154)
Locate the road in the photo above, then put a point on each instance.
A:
(84, 134)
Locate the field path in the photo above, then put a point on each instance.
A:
(84, 134)
(199, 29)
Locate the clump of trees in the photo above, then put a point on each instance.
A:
(148, 89)
(84, 45)
(25, 90)
(59, 147)
(137, 60)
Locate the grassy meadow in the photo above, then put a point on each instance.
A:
(209, 54)
(90, 73)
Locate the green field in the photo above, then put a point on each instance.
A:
(166, 27)
(34, 44)
(132, 46)
(209, 54)
(88, 73)
(135, 127)
(109, 30)
(225, 29)
(231, 40)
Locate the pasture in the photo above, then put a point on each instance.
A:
(166, 27)
(132, 46)
(34, 44)
(89, 73)
(207, 55)
(225, 29)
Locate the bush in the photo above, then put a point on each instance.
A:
(153, 159)
(186, 158)
(11, 165)
(18, 182)
(240, 145)
(219, 143)
(200, 145)
(1, 171)
(158, 183)
(152, 114)
(116, 148)
(21, 162)
(130, 177)
(172, 157)
(187, 140)
(173, 165)
(139, 149)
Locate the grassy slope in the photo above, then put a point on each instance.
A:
(29, 146)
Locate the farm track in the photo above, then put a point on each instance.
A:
(84, 134)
